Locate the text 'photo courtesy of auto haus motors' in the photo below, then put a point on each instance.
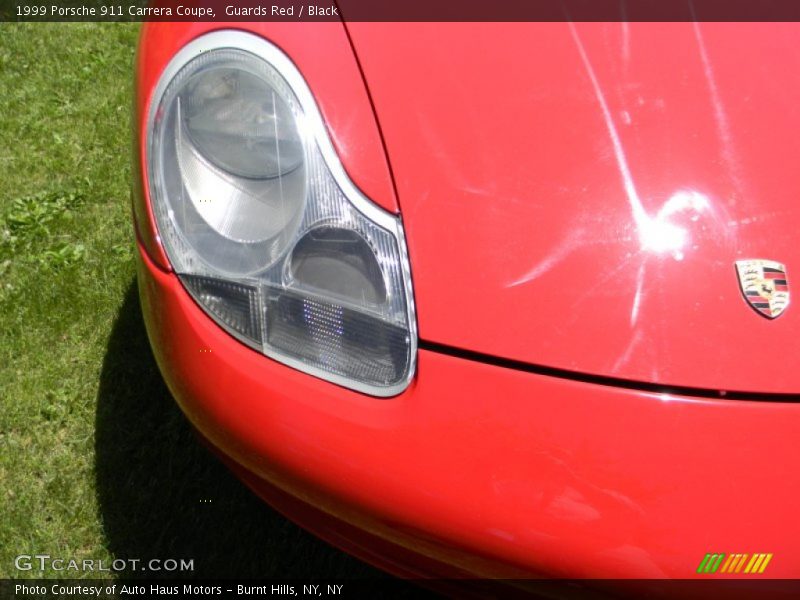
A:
(506, 300)
(184, 589)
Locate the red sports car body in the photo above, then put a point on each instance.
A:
(595, 375)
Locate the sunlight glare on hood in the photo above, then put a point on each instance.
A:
(660, 235)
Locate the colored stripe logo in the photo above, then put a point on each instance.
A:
(734, 563)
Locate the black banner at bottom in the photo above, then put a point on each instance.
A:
(73, 589)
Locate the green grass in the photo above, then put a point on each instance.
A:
(96, 461)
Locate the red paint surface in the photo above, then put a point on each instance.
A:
(491, 470)
(524, 242)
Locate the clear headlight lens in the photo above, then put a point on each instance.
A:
(264, 228)
(236, 120)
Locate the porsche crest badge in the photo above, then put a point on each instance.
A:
(764, 286)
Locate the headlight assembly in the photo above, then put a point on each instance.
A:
(263, 226)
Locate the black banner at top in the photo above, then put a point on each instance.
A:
(399, 10)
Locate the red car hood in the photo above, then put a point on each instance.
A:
(576, 196)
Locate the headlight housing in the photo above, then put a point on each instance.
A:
(264, 228)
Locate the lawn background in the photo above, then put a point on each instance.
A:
(96, 461)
